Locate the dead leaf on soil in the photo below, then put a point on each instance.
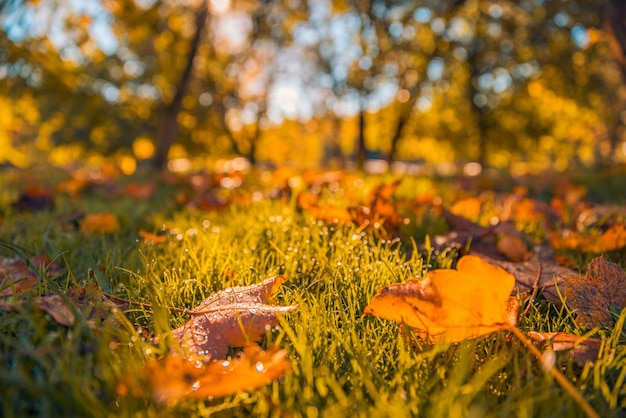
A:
(592, 296)
(231, 318)
(581, 350)
(450, 305)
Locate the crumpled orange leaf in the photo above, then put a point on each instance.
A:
(581, 350)
(231, 318)
(450, 305)
(174, 378)
(16, 276)
(99, 224)
(592, 296)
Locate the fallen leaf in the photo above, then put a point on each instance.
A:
(380, 213)
(174, 378)
(450, 305)
(100, 224)
(592, 296)
(139, 191)
(331, 214)
(513, 248)
(468, 208)
(231, 318)
(89, 300)
(612, 239)
(17, 276)
(581, 350)
(34, 199)
(151, 238)
(541, 271)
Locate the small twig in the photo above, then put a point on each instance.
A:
(143, 305)
(535, 288)
(558, 376)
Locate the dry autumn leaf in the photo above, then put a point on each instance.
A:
(17, 276)
(612, 239)
(33, 199)
(231, 318)
(592, 296)
(174, 378)
(581, 350)
(513, 248)
(450, 305)
(468, 208)
(89, 300)
(151, 238)
(99, 224)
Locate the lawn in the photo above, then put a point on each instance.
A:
(171, 241)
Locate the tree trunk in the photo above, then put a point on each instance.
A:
(168, 128)
(361, 150)
(616, 24)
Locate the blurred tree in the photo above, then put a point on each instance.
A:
(168, 127)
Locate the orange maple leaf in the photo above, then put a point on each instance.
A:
(450, 305)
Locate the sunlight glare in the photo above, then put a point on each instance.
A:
(219, 7)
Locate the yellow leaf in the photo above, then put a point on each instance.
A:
(450, 305)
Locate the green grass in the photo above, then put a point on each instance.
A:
(344, 363)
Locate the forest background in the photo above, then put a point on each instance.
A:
(530, 84)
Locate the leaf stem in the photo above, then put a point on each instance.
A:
(560, 378)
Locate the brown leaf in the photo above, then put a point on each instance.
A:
(89, 301)
(540, 271)
(513, 248)
(603, 287)
(55, 306)
(231, 318)
(34, 199)
(16, 276)
(582, 350)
